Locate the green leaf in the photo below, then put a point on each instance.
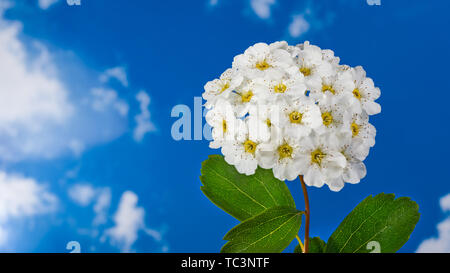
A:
(269, 232)
(298, 249)
(316, 245)
(381, 222)
(240, 195)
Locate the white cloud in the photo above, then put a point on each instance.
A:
(311, 17)
(42, 115)
(30, 100)
(298, 26)
(143, 123)
(129, 220)
(445, 203)
(117, 73)
(441, 244)
(262, 8)
(213, 3)
(84, 194)
(45, 4)
(104, 98)
(101, 206)
(22, 197)
(76, 146)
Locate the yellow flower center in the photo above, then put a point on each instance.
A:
(356, 93)
(326, 88)
(285, 151)
(269, 123)
(250, 146)
(262, 65)
(246, 97)
(317, 156)
(295, 117)
(327, 118)
(355, 129)
(224, 126)
(280, 88)
(225, 87)
(305, 71)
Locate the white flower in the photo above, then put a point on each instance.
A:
(262, 121)
(295, 110)
(221, 88)
(223, 122)
(314, 64)
(290, 85)
(262, 59)
(355, 170)
(334, 118)
(244, 151)
(281, 155)
(246, 95)
(334, 85)
(299, 117)
(319, 160)
(364, 93)
(362, 132)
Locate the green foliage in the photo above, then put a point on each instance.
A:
(268, 232)
(240, 195)
(382, 219)
(270, 220)
(316, 245)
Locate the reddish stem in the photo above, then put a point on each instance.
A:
(305, 194)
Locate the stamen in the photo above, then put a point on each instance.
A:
(250, 146)
(280, 88)
(285, 151)
(355, 129)
(224, 126)
(356, 93)
(326, 88)
(246, 97)
(327, 118)
(317, 156)
(295, 117)
(262, 65)
(225, 87)
(305, 71)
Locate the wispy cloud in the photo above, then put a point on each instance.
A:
(22, 197)
(440, 244)
(84, 194)
(129, 220)
(45, 4)
(262, 8)
(42, 114)
(309, 17)
(106, 98)
(213, 3)
(298, 26)
(445, 203)
(143, 122)
(117, 73)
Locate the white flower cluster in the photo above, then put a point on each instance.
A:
(296, 110)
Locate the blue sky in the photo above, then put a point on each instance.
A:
(86, 152)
